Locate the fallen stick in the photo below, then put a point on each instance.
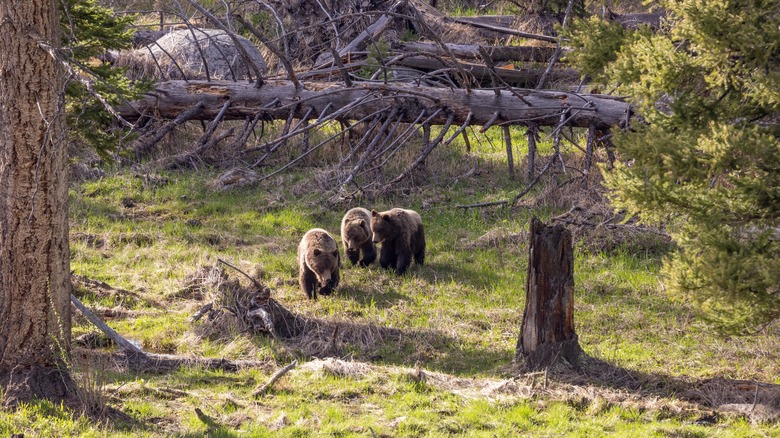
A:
(277, 375)
(483, 204)
(94, 319)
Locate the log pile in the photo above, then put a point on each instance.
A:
(342, 61)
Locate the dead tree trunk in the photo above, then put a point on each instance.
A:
(547, 331)
(275, 99)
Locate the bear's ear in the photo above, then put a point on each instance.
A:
(317, 252)
(374, 213)
(362, 222)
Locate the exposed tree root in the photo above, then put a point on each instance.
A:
(25, 384)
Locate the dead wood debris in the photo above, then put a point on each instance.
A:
(260, 390)
(137, 360)
(310, 29)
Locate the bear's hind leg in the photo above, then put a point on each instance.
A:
(419, 239)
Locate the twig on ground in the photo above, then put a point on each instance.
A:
(483, 204)
(536, 180)
(203, 310)
(262, 389)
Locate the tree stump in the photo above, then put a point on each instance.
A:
(547, 331)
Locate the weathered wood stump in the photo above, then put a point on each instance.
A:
(547, 332)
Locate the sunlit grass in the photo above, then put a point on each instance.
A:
(459, 314)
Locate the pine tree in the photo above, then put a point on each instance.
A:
(707, 159)
(89, 31)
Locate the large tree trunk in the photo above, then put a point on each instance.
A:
(547, 332)
(537, 107)
(34, 252)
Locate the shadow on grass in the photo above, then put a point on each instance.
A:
(319, 338)
(758, 400)
(383, 300)
(463, 273)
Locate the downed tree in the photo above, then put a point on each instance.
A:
(312, 27)
(281, 100)
(474, 51)
(548, 23)
(523, 77)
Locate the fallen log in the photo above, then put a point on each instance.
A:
(472, 51)
(630, 21)
(522, 77)
(335, 101)
(507, 31)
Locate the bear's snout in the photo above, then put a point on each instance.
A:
(324, 278)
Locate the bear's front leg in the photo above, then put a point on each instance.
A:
(332, 283)
(353, 255)
(369, 254)
(403, 262)
(308, 282)
(387, 256)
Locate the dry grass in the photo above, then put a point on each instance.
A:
(596, 226)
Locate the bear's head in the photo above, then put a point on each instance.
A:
(356, 233)
(383, 226)
(323, 263)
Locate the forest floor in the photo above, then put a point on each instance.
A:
(426, 354)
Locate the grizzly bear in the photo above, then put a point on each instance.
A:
(357, 237)
(319, 262)
(401, 234)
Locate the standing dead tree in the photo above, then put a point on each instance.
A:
(547, 332)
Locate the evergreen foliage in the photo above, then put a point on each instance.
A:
(707, 162)
(89, 31)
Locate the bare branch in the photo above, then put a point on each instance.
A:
(239, 47)
(272, 47)
(509, 156)
(262, 389)
(425, 152)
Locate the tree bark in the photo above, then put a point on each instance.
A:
(537, 107)
(34, 251)
(547, 331)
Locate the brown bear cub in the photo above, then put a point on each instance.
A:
(357, 236)
(401, 234)
(319, 262)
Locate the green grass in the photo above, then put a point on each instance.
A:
(459, 316)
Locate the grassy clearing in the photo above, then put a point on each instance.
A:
(448, 374)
